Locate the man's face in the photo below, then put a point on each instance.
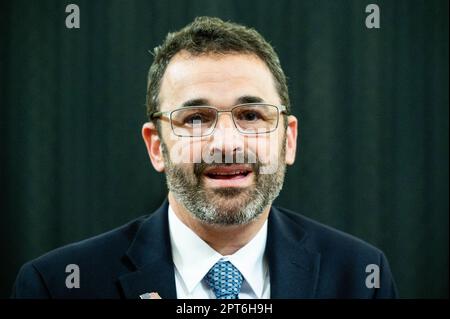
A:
(225, 178)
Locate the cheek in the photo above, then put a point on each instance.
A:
(266, 147)
(185, 150)
(196, 147)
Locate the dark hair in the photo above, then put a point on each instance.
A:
(212, 35)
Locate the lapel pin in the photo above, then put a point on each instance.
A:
(150, 295)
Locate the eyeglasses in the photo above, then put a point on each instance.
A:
(249, 118)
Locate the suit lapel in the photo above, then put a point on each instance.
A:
(293, 268)
(151, 255)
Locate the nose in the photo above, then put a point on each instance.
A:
(225, 142)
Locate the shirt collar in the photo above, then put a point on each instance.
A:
(193, 257)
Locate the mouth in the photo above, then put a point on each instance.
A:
(229, 176)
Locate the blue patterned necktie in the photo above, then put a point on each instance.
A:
(225, 280)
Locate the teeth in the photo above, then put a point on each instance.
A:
(230, 173)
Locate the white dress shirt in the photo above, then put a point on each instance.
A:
(193, 258)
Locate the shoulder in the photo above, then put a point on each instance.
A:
(345, 261)
(323, 238)
(98, 259)
(106, 245)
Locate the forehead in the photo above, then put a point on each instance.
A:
(218, 78)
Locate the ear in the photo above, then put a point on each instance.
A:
(153, 144)
(291, 139)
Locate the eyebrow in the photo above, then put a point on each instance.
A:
(241, 100)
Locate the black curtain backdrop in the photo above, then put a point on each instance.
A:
(372, 107)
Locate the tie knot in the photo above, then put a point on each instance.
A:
(225, 280)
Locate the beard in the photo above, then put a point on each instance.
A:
(223, 206)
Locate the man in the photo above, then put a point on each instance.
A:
(221, 130)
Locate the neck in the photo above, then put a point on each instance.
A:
(226, 240)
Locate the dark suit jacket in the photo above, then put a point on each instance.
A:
(306, 260)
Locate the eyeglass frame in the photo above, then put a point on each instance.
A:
(158, 114)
